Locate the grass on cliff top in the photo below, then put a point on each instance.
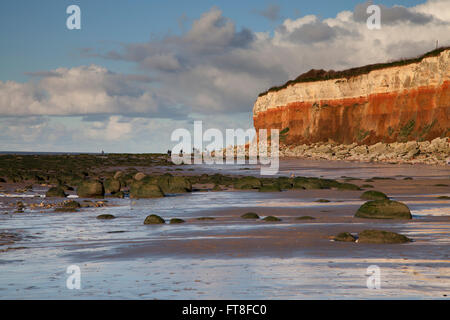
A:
(319, 75)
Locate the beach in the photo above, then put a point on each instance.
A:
(227, 257)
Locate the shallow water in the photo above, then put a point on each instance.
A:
(123, 258)
(53, 241)
(338, 169)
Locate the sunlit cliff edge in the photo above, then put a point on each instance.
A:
(403, 101)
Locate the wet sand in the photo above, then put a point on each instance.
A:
(229, 257)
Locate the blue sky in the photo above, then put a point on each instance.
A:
(34, 35)
(139, 69)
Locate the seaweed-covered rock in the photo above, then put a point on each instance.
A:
(71, 204)
(174, 184)
(270, 188)
(55, 192)
(314, 183)
(176, 221)
(285, 183)
(322, 200)
(250, 215)
(383, 209)
(307, 184)
(119, 194)
(118, 175)
(373, 195)
(90, 189)
(345, 237)
(206, 218)
(378, 236)
(154, 219)
(305, 218)
(87, 204)
(139, 176)
(347, 186)
(271, 219)
(111, 186)
(106, 217)
(247, 183)
(145, 189)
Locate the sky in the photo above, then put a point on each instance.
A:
(137, 70)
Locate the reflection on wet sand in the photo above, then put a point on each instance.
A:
(227, 257)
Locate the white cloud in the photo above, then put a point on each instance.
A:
(82, 90)
(212, 71)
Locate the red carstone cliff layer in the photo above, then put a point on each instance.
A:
(397, 104)
(417, 114)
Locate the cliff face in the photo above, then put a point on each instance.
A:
(398, 103)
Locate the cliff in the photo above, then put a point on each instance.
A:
(397, 102)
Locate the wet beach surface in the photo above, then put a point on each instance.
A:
(233, 258)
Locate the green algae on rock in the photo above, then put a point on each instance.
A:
(174, 184)
(344, 237)
(250, 215)
(111, 186)
(373, 195)
(383, 209)
(145, 189)
(305, 218)
(55, 192)
(176, 221)
(270, 188)
(90, 189)
(379, 236)
(106, 217)
(247, 183)
(154, 219)
(271, 219)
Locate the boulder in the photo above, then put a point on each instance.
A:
(250, 215)
(118, 175)
(373, 195)
(271, 219)
(72, 204)
(383, 209)
(154, 219)
(145, 189)
(345, 237)
(106, 217)
(378, 236)
(174, 184)
(285, 183)
(111, 186)
(307, 184)
(305, 218)
(348, 186)
(139, 176)
(176, 221)
(69, 206)
(90, 189)
(55, 192)
(270, 188)
(119, 194)
(247, 183)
